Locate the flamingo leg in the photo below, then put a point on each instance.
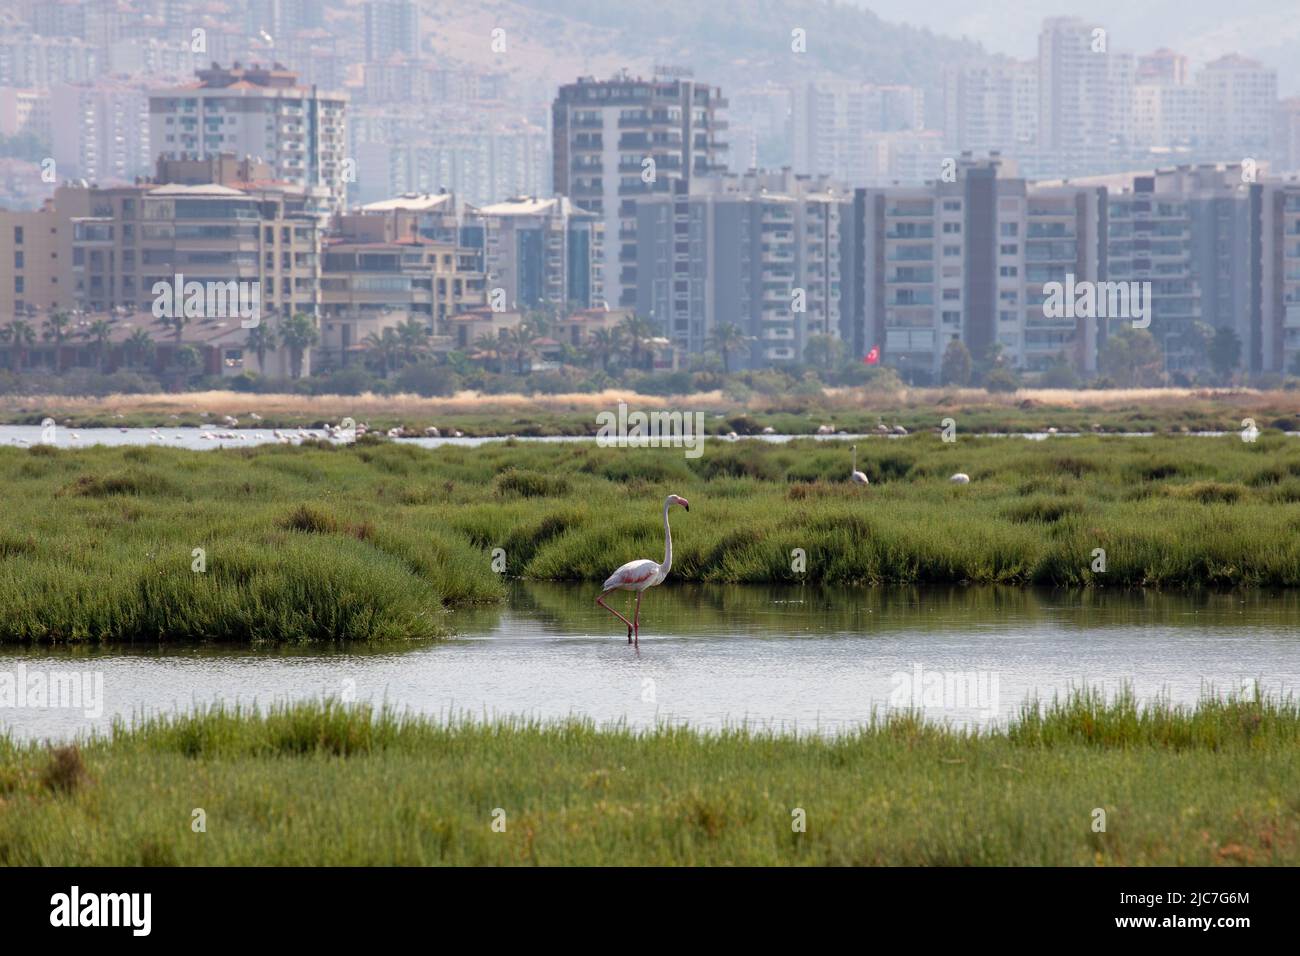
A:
(636, 618)
(601, 601)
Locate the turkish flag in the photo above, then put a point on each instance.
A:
(873, 356)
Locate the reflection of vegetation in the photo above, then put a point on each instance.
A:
(1180, 785)
(785, 609)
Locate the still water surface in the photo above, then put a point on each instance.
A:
(810, 659)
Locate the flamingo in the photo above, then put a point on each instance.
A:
(642, 574)
(856, 475)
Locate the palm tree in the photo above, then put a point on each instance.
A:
(387, 346)
(522, 341)
(56, 331)
(298, 333)
(414, 337)
(20, 334)
(187, 360)
(177, 323)
(261, 339)
(605, 344)
(138, 347)
(100, 330)
(727, 337)
(638, 330)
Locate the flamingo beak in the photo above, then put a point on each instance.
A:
(684, 503)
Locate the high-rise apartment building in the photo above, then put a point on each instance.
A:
(620, 140)
(990, 107)
(968, 260)
(25, 113)
(1273, 343)
(833, 125)
(762, 251)
(261, 112)
(541, 253)
(1075, 104)
(1240, 105)
(43, 61)
(102, 133)
(1286, 135)
(391, 26)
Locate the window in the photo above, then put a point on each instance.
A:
(18, 235)
(952, 205)
(18, 259)
(952, 228)
(1009, 248)
(1008, 272)
(952, 250)
(1009, 229)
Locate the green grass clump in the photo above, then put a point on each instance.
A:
(1214, 784)
(380, 541)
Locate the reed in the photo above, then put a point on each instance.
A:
(321, 783)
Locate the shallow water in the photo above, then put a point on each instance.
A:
(788, 657)
(215, 436)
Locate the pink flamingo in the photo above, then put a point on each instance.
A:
(639, 575)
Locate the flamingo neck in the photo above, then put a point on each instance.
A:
(668, 542)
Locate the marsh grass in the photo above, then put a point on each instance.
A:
(324, 783)
(379, 541)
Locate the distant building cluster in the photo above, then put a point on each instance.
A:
(320, 155)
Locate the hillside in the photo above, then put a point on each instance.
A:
(731, 43)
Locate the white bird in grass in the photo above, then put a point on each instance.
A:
(639, 575)
(856, 475)
(961, 478)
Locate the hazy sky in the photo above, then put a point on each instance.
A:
(1203, 29)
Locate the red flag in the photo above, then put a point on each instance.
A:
(873, 356)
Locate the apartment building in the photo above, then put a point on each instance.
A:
(115, 243)
(1273, 344)
(761, 251)
(368, 285)
(541, 253)
(833, 122)
(968, 260)
(1075, 101)
(1240, 104)
(391, 26)
(261, 112)
(617, 141)
(44, 61)
(30, 268)
(478, 164)
(1286, 136)
(25, 113)
(408, 216)
(1188, 230)
(102, 133)
(991, 107)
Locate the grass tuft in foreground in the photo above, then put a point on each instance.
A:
(322, 783)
